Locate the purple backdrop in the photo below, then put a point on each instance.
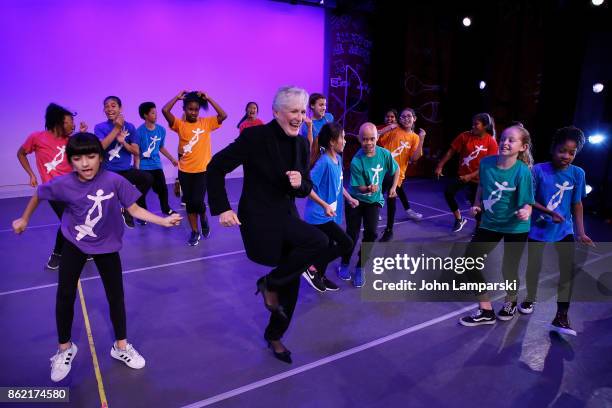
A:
(76, 53)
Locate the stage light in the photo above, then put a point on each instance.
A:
(482, 85)
(588, 189)
(467, 21)
(597, 2)
(598, 87)
(322, 2)
(596, 138)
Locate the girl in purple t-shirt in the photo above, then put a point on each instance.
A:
(91, 224)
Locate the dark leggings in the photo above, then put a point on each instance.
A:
(339, 242)
(194, 191)
(160, 188)
(454, 187)
(486, 241)
(392, 202)
(58, 208)
(142, 180)
(71, 266)
(567, 270)
(369, 214)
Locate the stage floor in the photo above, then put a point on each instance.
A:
(192, 314)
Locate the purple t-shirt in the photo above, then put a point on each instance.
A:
(92, 219)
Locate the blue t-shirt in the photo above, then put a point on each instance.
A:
(317, 124)
(149, 142)
(503, 193)
(116, 158)
(557, 190)
(327, 183)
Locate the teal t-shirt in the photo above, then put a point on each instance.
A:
(504, 192)
(371, 170)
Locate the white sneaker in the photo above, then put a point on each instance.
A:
(413, 215)
(61, 363)
(129, 356)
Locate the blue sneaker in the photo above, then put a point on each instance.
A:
(343, 272)
(358, 277)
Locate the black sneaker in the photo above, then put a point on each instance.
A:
(459, 224)
(507, 311)
(89, 258)
(54, 261)
(526, 307)
(386, 236)
(561, 325)
(314, 280)
(194, 238)
(127, 218)
(480, 317)
(205, 226)
(329, 285)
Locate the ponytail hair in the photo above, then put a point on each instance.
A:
(246, 113)
(54, 116)
(525, 156)
(328, 133)
(195, 97)
(487, 121)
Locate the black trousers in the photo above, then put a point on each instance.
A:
(567, 270)
(487, 241)
(160, 188)
(339, 242)
(71, 266)
(304, 245)
(58, 208)
(194, 191)
(454, 187)
(392, 202)
(368, 213)
(142, 180)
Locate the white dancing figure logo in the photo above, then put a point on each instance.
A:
(151, 147)
(496, 195)
(87, 228)
(59, 157)
(334, 205)
(196, 137)
(557, 198)
(114, 152)
(467, 159)
(403, 145)
(376, 175)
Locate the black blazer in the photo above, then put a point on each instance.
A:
(267, 197)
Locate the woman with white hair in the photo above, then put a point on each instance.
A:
(275, 163)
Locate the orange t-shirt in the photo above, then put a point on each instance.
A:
(194, 143)
(471, 150)
(402, 145)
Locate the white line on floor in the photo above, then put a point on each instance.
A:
(203, 258)
(345, 353)
(325, 360)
